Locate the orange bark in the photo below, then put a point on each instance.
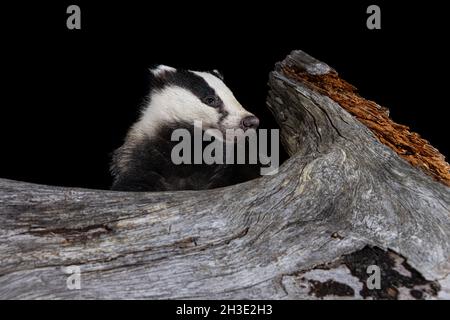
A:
(409, 145)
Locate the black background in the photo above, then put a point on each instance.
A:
(69, 96)
(282, 309)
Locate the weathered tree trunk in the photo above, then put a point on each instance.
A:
(349, 197)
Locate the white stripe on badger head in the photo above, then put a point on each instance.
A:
(175, 104)
(235, 110)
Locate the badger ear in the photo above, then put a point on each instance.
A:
(161, 70)
(217, 73)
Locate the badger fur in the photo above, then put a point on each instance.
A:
(176, 99)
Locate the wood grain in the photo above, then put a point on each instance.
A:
(343, 201)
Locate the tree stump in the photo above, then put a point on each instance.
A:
(358, 190)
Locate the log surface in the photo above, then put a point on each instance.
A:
(343, 201)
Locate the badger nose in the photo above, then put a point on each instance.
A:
(250, 122)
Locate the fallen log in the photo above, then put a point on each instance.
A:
(357, 191)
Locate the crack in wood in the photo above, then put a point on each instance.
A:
(409, 145)
(244, 241)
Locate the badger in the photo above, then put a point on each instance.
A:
(177, 98)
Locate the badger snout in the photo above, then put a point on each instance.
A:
(249, 122)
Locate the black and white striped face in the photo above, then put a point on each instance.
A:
(188, 96)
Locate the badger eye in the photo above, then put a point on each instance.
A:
(212, 101)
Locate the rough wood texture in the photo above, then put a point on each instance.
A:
(342, 202)
(409, 145)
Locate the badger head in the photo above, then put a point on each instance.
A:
(192, 96)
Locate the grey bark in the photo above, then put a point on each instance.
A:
(341, 202)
